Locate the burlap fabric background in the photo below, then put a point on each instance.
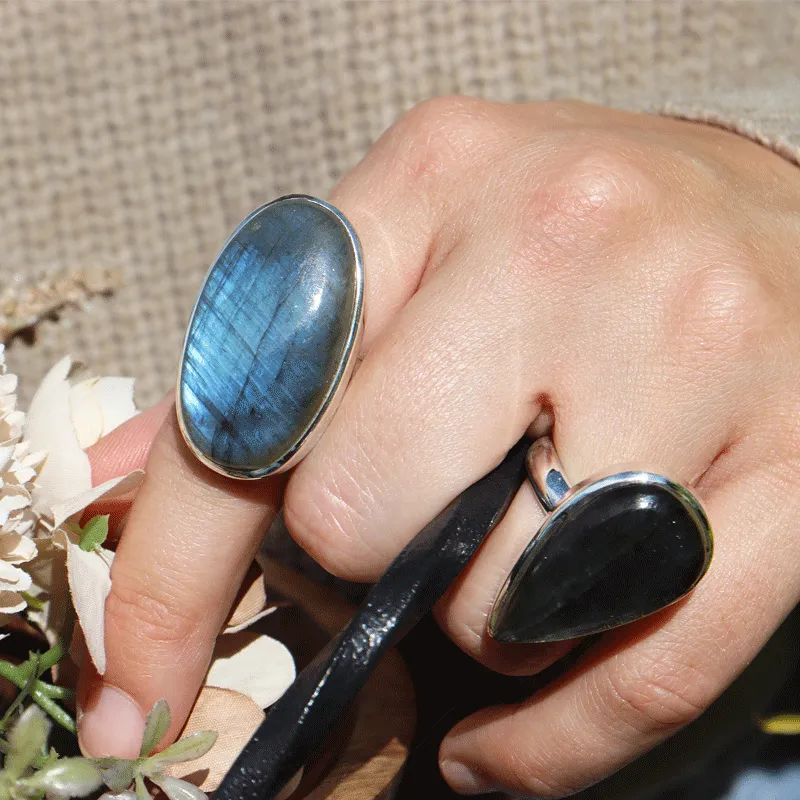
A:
(136, 135)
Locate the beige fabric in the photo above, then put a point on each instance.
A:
(135, 135)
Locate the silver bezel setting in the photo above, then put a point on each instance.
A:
(547, 478)
(343, 372)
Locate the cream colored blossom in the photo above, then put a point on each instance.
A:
(19, 467)
(46, 484)
(65, 417)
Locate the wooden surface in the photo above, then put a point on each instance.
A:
(379, 731)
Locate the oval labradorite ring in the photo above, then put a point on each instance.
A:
(273, 338)
(611, 550)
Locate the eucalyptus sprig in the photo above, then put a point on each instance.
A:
(119, 774)
(27, 677)
(31, 772)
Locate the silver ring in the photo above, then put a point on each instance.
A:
(611, 550)
(273, 339)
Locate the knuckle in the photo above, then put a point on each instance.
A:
(596, 191)
(724, 309)
(656, 699)
(148, 615)
(434, 137)
(326, 517)
(317, 521)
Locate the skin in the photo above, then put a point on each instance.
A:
(628, 280)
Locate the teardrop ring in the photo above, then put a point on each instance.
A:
(611, 550)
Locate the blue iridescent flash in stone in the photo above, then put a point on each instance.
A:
(272, 332)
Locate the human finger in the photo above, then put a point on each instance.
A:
(190, 533)
(647, 680)
(123, 450)
(187, 544)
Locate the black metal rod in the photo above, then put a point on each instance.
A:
(296, 725)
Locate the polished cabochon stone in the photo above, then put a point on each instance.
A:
(273, 328)
(604, 558)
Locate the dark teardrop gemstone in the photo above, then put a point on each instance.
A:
(610, 554)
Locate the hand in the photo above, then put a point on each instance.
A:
(630, 280)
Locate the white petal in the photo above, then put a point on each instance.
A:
(11, 426)
(24, 525)
(86, 412)
(252, 620)
(89, 585)
(13, 578)
(116, 487)
(34, 459)
(98, 405)
(255, 665)
(116, 399)
(6, 455)
(8, 384)
(66, 472)
(61, 537)
(16, 549)
(21, 474)
(11, 602)
(12, 502)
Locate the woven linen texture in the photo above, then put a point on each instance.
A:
(136, 135)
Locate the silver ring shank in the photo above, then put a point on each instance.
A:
(546, 473)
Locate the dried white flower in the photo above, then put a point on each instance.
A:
(65, 417)
(18, 469)
(46, 484)
(255, 665)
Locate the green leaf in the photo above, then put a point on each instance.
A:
(33, 602)
(118, 773)
(177, 789)
(26, 741)
(141, 789)
(786, 724)
(50, 657)
(18, 674)
(67, 777)
(94, 533)
(156, 725)
(187, 749)
(59, 714)
(24, 691)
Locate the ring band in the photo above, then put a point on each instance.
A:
(611, 550)
(546, 473)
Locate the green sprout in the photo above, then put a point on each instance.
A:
(31, 772)
(27, 677)
(119, 773)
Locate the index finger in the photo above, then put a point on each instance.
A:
(189, 539)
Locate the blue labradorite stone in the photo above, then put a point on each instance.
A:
(272, 329)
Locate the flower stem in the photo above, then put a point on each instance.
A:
(27, 678)
(60, 715)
